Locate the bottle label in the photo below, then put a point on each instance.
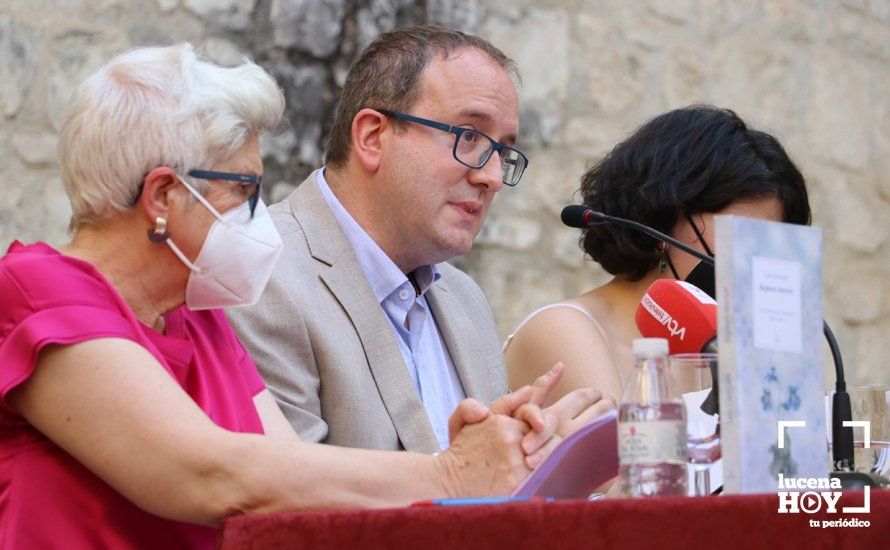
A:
(652, 441)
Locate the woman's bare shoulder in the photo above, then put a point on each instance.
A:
(570, 334)
(564, 327)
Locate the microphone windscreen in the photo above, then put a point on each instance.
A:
(574, 215)
(679, 312)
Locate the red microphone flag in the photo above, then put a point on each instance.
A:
(679, 312)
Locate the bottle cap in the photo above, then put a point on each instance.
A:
(647, 348)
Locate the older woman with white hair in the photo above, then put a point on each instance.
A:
(130, 419)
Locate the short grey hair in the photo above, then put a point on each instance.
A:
(154, 107)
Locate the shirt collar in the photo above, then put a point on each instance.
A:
(382, 273)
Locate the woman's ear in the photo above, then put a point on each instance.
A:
(157, 196)
(366, 138)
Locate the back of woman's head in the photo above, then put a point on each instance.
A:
(691, 160)
(156, 107)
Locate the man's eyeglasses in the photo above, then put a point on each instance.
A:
(473, 148)
(251, 184)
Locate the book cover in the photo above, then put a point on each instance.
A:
(769, 295)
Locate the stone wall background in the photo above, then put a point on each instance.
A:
(815, 73)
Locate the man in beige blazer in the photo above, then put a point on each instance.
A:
(421, 143)
(325, 347)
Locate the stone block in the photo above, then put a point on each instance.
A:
(378, 17)
(762, 83)
(566, 248)
(279, 146)
(311, 26)
(861, 296)
(617, 82)
(77, 53)
(310, 152)
(11, 197)
(880, 132)
(852, 217)
(509, 231)
(223, 52)
(230, 14)
(537, 129)
(553, 180)
(859, 6)
(280, 191)
(56, 210)
(591, 137)
(792, 20)
(644, 29)
(166, 6)
(19, 45)
(879, 9)
(866, 358)
(675, 11)
(719, 18)
(306, 89)
(839, 111)
(683, 78)
(36, 149)
(593, 31)
(457, 14)
(538, 40)
(514, 283)
(876, 39)
(310, 101)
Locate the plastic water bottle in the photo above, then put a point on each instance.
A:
(651, 427)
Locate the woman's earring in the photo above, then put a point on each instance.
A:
(159, 233)
(663, 262)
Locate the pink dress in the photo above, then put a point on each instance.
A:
(47, 498)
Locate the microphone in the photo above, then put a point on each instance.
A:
(580, 216)
(686, 317)
(681, 314)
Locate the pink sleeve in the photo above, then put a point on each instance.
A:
(25, 329)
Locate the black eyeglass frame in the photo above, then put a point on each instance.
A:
(257, 179)
(459, 131)
(252, 201)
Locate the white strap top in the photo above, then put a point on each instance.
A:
(539, 310)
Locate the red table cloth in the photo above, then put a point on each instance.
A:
(741, 521)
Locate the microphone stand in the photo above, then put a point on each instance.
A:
(841, 410)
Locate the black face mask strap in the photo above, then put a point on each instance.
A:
(698, 234)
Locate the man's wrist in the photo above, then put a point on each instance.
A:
(445, 474)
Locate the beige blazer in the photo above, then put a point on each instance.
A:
(326, 349)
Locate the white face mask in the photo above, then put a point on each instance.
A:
(236, 259)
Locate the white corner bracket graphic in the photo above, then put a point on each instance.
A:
(782, 424)
(866, 429)
(866, 503)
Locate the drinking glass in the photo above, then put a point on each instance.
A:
(691, 377)
(871, 403)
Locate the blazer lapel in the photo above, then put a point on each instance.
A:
(349, 286)
(467, 352)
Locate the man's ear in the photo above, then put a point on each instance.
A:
(368, 126)
(157, 192)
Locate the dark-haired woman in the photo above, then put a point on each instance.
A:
(675, 173)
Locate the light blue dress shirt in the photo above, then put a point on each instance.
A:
(420, 342)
